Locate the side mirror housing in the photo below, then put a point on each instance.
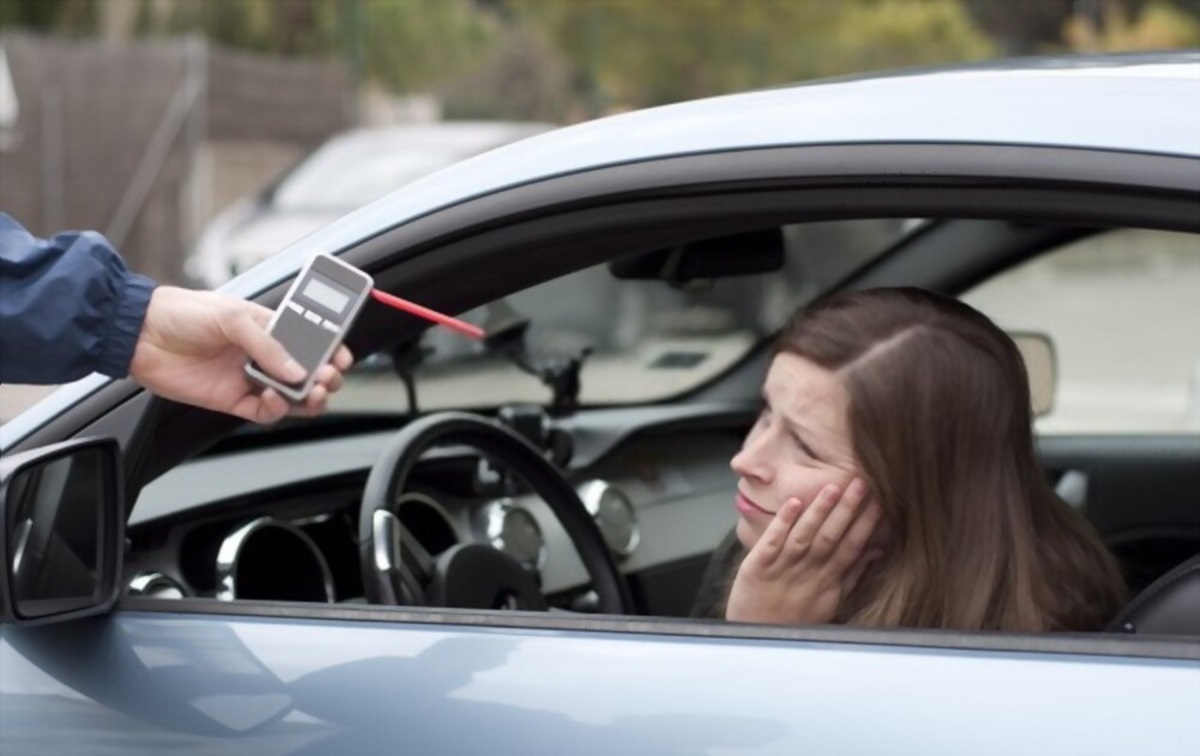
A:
(62, 531)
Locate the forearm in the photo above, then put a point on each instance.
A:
(69, 306)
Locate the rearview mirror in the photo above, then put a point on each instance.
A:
(740, 254)
(62, 522)
(1041, 364)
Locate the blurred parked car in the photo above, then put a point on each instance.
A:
(345, 173)
(469, 559)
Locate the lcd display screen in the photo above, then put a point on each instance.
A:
(333, 298)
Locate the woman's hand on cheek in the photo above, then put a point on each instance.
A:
(808, 559)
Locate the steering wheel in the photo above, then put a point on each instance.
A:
(471, 575)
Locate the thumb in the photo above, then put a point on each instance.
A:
(246, 328)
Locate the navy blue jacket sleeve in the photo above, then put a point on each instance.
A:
(69, 306)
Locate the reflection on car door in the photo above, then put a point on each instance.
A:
(339, 680)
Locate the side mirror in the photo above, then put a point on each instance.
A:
(1041, 363)
(62, 527)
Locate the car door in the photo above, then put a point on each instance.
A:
(370, 680)
(219, 677)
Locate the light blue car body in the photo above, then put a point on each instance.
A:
(473, 683)
(199, 684)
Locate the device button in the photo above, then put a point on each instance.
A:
(295, 307)
(314, 317)
(328, 326)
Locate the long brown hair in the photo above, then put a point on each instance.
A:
(941, 423)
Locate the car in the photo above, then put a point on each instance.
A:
(347, 171)
(502, 546)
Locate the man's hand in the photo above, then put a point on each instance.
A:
(808, 559)
(194, 345)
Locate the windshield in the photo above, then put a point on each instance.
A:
(648, 340)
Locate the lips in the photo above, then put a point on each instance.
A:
(747, 507)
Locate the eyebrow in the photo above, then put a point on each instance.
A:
(795, 432)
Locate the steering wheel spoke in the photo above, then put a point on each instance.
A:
(395, 564)
(414, 552)
(396, 582)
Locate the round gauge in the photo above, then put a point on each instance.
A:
(514, 531)
(614, 514)
(155, 585)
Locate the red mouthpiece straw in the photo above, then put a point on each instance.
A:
(413, 308)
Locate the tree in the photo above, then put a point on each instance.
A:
(72, 16)
(633, 53)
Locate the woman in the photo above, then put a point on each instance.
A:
(891, 481)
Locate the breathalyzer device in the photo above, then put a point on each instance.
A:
(315, 315)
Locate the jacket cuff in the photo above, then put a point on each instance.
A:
(125, 326)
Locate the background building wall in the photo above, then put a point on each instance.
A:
(147, 141)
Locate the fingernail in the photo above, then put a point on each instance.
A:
(856, 488)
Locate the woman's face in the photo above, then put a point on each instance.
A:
(800, 443)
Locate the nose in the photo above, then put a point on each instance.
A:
(752, 461)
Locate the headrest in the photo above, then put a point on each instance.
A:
(1168, 606)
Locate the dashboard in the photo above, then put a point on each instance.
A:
(281, 522)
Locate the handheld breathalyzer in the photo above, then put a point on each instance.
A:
(315, 315)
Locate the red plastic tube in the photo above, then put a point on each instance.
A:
(413, 308)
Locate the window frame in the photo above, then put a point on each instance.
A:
(823, 182)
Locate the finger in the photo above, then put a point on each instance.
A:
(259, 314)
(843, 514)
(243, 326)
(343, 359)
(315, 402)
(857, 538)
(272, 407)
(800, 539)
(264, 408)
(850, 582)
(775, 536)
(329, 377)
(246, 408)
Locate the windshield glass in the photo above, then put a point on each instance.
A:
(648, 340)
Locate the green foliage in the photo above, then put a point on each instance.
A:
(413, 45)
(76, 17)
(897, 33)
(565, 59)
(631, 53)
(1159, 25)
(402, 45)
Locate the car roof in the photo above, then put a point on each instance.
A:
(1135, 103)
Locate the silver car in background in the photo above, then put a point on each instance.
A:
(348, 171)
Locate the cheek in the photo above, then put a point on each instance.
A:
(807, 482)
